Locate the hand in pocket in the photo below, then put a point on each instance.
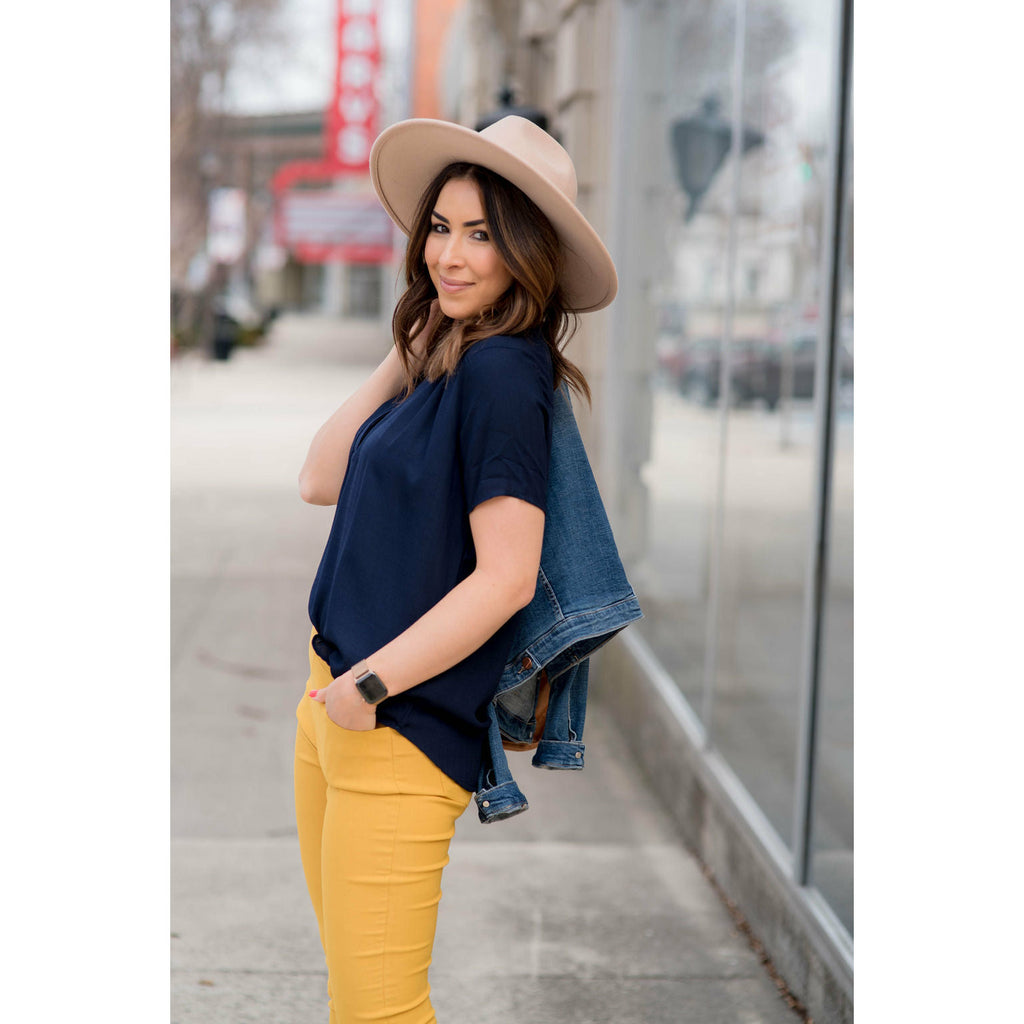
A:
(345, 706)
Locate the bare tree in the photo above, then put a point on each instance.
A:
(207, 38)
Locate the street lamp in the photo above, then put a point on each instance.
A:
(700, 144)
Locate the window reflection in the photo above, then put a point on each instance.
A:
(690, 43)
(735, 642)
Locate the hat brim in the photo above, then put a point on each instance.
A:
(407, 156)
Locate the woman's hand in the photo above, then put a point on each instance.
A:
(345, 705)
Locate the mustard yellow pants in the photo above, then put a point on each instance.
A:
(375, 817)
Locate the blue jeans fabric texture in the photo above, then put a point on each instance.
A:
(582, 600)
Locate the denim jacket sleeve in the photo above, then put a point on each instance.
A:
(582, 600)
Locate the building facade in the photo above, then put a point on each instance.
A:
(713, 142)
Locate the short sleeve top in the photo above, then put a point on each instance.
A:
(400, 540)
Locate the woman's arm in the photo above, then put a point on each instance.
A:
(323, 471)
(507, 534)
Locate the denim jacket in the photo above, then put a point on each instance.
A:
(582, 600)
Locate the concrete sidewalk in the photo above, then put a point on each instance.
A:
(584, 909)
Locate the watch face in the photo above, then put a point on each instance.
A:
(371, 687)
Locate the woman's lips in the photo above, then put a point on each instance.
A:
(453, 287)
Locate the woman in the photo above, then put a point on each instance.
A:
(438, 466)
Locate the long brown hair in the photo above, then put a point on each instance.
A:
(527, 243)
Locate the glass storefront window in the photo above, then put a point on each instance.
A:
(770, 455)
(727, 270)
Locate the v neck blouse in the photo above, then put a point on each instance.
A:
(401, 540)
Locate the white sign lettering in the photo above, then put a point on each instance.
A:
(359, 37)
(356, 71)
(353, 145)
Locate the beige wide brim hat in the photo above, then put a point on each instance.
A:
(407, 156)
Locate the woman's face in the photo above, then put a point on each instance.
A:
(464, 265)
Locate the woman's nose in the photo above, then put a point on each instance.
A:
(452, 252)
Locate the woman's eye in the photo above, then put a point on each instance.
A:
(438, 227)
(481, 236)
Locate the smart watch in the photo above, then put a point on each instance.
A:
(370, 685)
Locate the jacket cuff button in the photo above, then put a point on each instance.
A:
(487, 803)
(579, 753)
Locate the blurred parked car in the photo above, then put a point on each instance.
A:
(803, 357)
(757, 368)
(697, 369)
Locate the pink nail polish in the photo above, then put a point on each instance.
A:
(313, 693)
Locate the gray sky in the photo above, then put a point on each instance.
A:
(298, 75)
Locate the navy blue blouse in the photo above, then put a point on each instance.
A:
(401, 539)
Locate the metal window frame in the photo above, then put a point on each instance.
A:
(825, 388)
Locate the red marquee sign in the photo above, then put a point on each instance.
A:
(352, 117)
